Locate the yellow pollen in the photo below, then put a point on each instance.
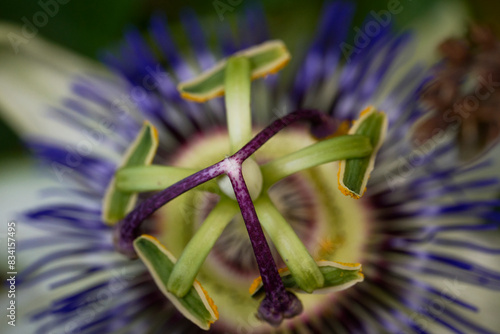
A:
(352, 265)
(343, 129)
(210, 302)
(258, 281)
(199, 99)
(255, 285)
(155, 133)
(327, 245)
(150, 237)
(365, 111)
(273, 70)
(342, 188)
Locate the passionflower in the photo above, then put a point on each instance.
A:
(185, 211)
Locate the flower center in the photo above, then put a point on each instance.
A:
(243, 184)
(331, 226)
(297, 202)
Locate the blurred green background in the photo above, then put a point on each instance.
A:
(87, 26)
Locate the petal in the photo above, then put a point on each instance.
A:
(36, 74)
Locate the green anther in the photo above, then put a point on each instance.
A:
(232, 77)
(355, 172)
(300, 263)
(266, 58)
(116, 203)
(337, 277)
(237, 86)
(334, 149)
(196, 251)
(239, 117)
(154, 178)
(196, 305)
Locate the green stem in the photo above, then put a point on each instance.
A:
(334, 149)
(301, 264)
(237, 94)
(196, 251)
(154, 178)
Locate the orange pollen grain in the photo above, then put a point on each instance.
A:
(352, 265)
(342, 188)
(255, 285)
(365, 111)
(155, 132)
(258, 281)
(210, 302)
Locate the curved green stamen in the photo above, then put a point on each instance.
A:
(154, 178)
(292, 250)
(187, 266)
(237, 87)
(334, 149)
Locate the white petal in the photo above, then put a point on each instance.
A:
(443, 20)
(34, 75)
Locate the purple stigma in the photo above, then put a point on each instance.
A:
(127, 229)
(278, 303)
(274, 310)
